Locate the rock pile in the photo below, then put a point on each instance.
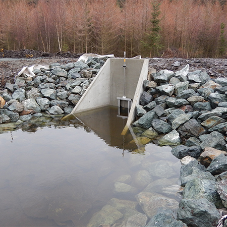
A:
(188, 110)
(54, 90)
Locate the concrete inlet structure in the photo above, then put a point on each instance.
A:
(113, 82)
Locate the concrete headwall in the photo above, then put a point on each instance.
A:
(109, 84)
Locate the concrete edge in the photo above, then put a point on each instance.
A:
(138, 92)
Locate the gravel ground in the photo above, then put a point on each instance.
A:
(9, 67)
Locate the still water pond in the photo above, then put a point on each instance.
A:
(55, 173)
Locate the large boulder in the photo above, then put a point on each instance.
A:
(198, 213)
(198, 188)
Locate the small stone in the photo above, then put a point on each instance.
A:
(145, 98)
(166, 89)
(181, 119)
(146, 120)
(218, 165)
(181, 87)
(192, 141)
(140, 111)
(202, 106)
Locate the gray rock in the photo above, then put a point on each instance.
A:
(215, 99)
(222, 127)
(6, 96)
(142, 178)
(181, 102)
(49, 93)
(214, 139)
(146, 120)
(202, 106)
(187, 170)
(159, 110)
(152, 202)
(212, 121)
(33, 93)
(74, 98)
(4, 119)
(222, 104)
(194, 77)
(74, 73)
(150, 106)
(174, 115)
(222, 81)
(47, 85)
(205, 116)
(59, 72)
(171, 102)
(194, 86)
(181, 119)
(222, 187)
(68, 109)
(192, 141)
(218, 165)
(204, 77)
(166, 89)
(198, 188)
(62, 104)
(107, 216)
(181, 87)
(163, 76)
(165, 219)
(140, 111)
(170, 139)
(182, 151)
(185, 94)
(55, 110)
(183, 72)
(44, 103)
(205, 92)
(145, 98)
(26, 117)
(68, 66)
(81, 65)
(9, 87)
(161, 126)
(191, 128)
(161, 100)
(198, 213)
(16, 106)
(62, 95)
(174, 81)
(19, 95)
(195, 99)
(31, 104)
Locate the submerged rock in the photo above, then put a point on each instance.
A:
(152, 202)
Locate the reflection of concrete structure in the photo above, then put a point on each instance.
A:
(105, 123)
(109, 84)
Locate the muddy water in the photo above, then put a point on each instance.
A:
(61, 175)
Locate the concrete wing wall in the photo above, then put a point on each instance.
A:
(98, 93)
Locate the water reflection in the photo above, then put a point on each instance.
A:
(66, 171)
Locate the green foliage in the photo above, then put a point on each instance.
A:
(152, 41)
(222, 41)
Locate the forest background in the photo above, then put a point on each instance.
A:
(151, 28)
